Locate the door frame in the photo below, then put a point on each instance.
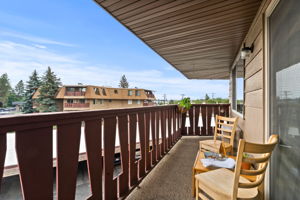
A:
(271, 7)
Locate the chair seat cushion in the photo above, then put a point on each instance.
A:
(218, 184)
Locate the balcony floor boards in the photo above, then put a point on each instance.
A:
(171, 178)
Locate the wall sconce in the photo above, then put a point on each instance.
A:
(246, 51)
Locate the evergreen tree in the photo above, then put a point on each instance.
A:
(4, 89)
(12, 97)
(206, 97)
(32, 85)
(48, 89)
(19, 90)
(123, 82)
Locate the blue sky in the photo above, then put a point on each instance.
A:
(84, 44)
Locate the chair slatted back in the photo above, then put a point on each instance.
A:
(264, 151)
(225, 128)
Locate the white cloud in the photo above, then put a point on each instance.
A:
(19, 60)
(33, 38)
(39, 46)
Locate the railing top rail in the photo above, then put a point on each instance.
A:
(211, 104)
(27, 121)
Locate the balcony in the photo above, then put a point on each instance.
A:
(77, 105)
(76, 93)
(151, 96)
(157, 129)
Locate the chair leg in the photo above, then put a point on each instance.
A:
(197, 190)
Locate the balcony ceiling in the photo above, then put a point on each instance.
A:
(200, 38)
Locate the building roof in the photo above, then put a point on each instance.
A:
(200, 38)
(90, 93)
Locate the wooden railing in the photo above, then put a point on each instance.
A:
(77, 105)
(150, 95)
(77, 93)
(206, 110)
(34, 147)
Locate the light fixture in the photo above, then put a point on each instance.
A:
(187, 120)
(246, 51)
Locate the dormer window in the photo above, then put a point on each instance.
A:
(129, 92)
(97, 92)
(103, 92)
(137, 93)
(116, 91)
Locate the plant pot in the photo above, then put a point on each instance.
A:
(246, 165)
(182, 109)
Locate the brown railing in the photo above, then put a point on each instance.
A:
(150, 95)
(77, 105)
(77, 93)
(34, 147)
(206, 111)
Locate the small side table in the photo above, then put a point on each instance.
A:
(199, 168)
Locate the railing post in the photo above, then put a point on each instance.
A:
(123, 182)
(197, 113)
(147, 141)
(132, 149)
(154, 139)
(110, 184)
(183, 128)
(142, 161)
(93, 140)
(157, 127)
(2, 154)
(34, 153)
(68, 141)
(163, 131)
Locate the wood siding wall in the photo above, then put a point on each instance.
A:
(252, 124)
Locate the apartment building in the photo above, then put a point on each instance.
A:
(89, 97)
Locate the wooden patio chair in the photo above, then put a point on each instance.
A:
(224, 184)
(224, 134)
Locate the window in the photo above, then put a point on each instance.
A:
(69, 100)
(116, 91)
(129, 92)
(137, 93)
(81, 100)
(103, 92)
(97, 92)
(109, 100)
(129, 101)
(70, 89)
(94, 101)
(100, 101)
(138, 101)
(238, 77)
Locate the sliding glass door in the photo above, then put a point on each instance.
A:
(284, 96)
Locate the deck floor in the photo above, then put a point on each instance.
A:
(172, 177)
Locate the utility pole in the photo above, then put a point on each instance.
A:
(165, 98)
(212, 95)
(182, 95)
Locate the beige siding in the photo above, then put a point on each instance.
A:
(252, 124)
(105, 104)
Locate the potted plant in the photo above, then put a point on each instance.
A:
(184, 105)
(246, 165)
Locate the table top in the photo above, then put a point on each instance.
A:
(199, 168)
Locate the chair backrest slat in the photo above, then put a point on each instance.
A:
(254, 172)
(257, 160)
(225, 128)
(265, 150)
